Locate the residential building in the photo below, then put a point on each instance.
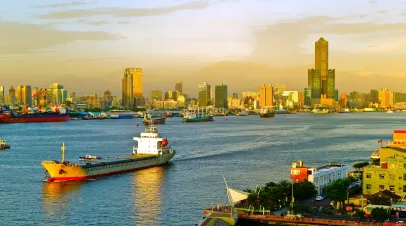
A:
(290, 98)
(390, 171)
(343, 100)
(320, 177)
(221, 96)
(2, 99)
(24, 95)
(136, 74)
(385, 98)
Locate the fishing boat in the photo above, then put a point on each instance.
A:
(197, 116)
(3, 144)
(389, 111)
(154, 118)
(266, 113)
(150, 150)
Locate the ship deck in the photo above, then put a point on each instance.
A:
(117, 160)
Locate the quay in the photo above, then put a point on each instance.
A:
(244, 219)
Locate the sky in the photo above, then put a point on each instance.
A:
(86, 45)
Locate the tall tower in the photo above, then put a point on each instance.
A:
(321, 80)
(127, 90)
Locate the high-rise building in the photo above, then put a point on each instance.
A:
(156, 95)
(385, 98)
(1, 94)
(321, 79)
(127, 90)
(136, 74)
(56, 94)
(220, 96)
(204, 95)
(24, 95)
(266, 96)
(170, 95)
(179, 87)
(343, 100)
(308, 96)
(374, 96)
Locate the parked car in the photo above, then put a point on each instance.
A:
(320, 197)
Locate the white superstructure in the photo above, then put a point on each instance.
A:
(150, 142)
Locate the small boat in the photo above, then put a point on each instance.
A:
(375, 156)
(154, 119)
(90, 157)
(87, 117)
(266, 113)
(3, 144)
(199, 116)
(389, 111)
(242, 113)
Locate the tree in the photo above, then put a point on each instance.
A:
(304, 190)
(380, 214)
(337, 191)
(359, 213)
(360, 165)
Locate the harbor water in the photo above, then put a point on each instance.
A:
(247, 151)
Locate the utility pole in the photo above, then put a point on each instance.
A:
(293, 198)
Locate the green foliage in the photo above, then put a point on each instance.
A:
(360, 165)
(356, 190)
(359, 213)
(327, 210)
(93, 110)
(380, 214)
(304, 190)
(302, 208)
(337, 191)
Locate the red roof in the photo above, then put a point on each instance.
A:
(399, 131)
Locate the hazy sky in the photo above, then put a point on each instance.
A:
(85, 45)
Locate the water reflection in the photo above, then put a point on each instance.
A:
(148, 196)
(56, 198)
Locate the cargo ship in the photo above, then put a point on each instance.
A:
(151, 150)
(199, 116)
(266, 113)
(9, 116)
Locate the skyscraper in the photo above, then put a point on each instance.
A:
(1, 94)
(321, 79)
(136, 74)
(127, 90)
(266, 96)
(204, 95)
(24, 95)
(56, 94)
(179, 87)
(220, 96)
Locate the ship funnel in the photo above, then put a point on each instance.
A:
(300, 163)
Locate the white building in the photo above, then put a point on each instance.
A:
(320, 177)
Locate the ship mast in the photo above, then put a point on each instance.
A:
(63, 151)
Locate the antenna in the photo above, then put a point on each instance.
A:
(228, 193)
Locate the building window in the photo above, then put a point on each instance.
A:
(391, 177)
(392, 188)
(369, 175)
(368, 186)
(381, 176)
(404, 188)
(404, 177)
(309, 172)
(381, 187)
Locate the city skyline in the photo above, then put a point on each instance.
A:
(86, 45)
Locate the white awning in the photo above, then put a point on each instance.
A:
(236, 195)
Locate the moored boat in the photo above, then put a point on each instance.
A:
(151, 150)
(197, 116)
(266, 113)
(3, 144)
(9, 116)
(154, 119)
(318, 111)
(242, 113)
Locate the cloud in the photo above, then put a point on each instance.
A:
(382, 11)
(124, 12)
(19, 38)
(90, 22)
(373, 2)
(67, 4)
